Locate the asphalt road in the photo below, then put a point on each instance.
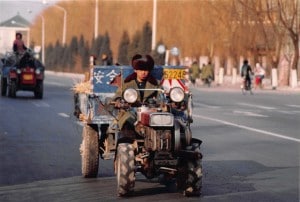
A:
(250, 147)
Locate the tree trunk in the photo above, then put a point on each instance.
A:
(283, 71)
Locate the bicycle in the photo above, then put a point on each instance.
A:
(247, 86)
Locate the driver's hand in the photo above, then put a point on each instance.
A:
(118, 103)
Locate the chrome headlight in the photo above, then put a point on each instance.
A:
(161, 119)
(130, 95)
(37, 71)
(176, 94)
(19, 71)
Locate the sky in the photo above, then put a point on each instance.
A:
(28, 9)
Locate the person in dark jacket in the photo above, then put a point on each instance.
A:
(140, 79)
(246, 73)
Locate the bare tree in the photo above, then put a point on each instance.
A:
(289, 17)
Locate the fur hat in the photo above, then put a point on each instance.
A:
(140, 63)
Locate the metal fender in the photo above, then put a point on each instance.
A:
(190, 107)
(12, 74)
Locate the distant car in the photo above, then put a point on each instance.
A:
(26, 73)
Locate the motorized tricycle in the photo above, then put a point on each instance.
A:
(162, 145)
(23, 72)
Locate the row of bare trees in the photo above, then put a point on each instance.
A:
(264, 31)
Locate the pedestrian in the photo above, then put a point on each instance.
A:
(194, 72)
(207, 74)
(259, 73)
(105, 60)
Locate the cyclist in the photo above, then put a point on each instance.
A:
(246, 73)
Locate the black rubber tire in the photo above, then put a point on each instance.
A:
(3, 86)
(190, 177)
(39, 90)
(89, 150)
(12, 89)
(125, 169)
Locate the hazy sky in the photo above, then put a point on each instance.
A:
(10, 8)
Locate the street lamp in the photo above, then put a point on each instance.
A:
(65, 23)
(43, 38)
(161, 49)
(154, 24)
(96, 19)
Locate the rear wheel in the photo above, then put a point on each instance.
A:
(12, 89)
(124, 169)
(3, 86)
(89, 150)
(39, 89)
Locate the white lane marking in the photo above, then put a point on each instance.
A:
(249, 128)
(64, 115)
(40, 104)
(256, 106)
(55, 84)
(296, 106)
(205, 105)
(246, 113)
(288, 112)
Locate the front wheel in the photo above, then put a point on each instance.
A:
(89, 150)
(125, 169)
(190, 177)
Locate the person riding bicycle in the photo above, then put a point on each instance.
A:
(246, 73)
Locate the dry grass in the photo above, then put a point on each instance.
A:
(82, 87)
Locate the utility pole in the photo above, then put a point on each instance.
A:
(65, 24)
(96, 19)
(43, 39)
(154, 24)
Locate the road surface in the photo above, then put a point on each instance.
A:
(250, 147)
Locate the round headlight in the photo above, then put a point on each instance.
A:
(130, 95)
(19, 71)
(176, 94)
(37, 71)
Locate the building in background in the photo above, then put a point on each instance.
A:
(8, 30)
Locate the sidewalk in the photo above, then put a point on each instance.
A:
(228, 86)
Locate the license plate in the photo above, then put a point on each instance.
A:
(27, 77)
(174, 73)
